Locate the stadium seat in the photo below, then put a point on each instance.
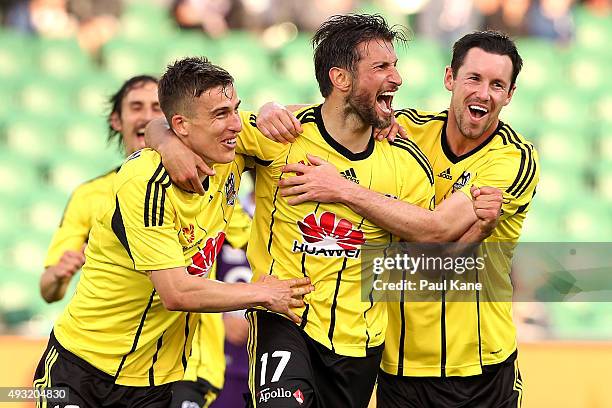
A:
(93, 91)
(36, 138)
(124, 58)
(46, 96)
(421, 64)
(62, 58)
(588, 219)
(43, 209)
(66, 172)
(244, 57)
(17, 51)
(189, 44)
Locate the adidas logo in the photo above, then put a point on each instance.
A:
(446, 174)
(350, 175)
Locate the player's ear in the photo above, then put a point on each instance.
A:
(340, 78)
(510, 94)
(115, 122)
(449, 79)
(180, 125)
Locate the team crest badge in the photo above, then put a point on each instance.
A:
(230, 189)
(462, 181)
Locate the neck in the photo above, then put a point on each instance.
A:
(346, 127)
(460, 144)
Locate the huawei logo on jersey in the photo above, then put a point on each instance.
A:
(189, 233)
(204, 259)
(328, 236)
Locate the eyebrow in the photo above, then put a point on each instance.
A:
(224, 108)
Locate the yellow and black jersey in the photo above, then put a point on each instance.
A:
(324, 241)
(207, 359)
(86, 201)
(116, 321)
(461, 338)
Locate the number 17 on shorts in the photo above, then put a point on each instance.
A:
(280, 375)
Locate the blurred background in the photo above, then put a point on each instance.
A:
(60, 60)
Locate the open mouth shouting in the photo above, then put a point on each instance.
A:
(384, 101)
(477, 111)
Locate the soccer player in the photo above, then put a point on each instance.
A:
(132, 107)
(331, 359)
(126, 334)
(465, 346)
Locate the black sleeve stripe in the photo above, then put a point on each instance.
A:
(307, 115)
(415, 147)
(419, 119)
(522, 208)
(161, 180)
(527, 167)
(253, 120)
(419, 157)
(160, 342)
(148, 193)
(119, 228)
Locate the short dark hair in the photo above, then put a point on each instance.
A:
(335, 43)
(116, 100)
(493, 42)
(186, 80)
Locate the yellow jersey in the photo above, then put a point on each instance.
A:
(324, 241)
(116, 321)
(207, 359)
(462, 338)
(85, 202)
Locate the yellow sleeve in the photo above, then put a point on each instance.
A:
(516, 173)
(417, 175)
(251, 142)
(73, 230)
(145, 217)
(239, 228)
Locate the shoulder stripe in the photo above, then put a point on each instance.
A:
(307, 116)
(137, 336)
(418, 156)
(161, 180)
(527, 168)
(418, 118)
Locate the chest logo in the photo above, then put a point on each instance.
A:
(350, 175)
(446, 174)
(329, 237)
(204, 259)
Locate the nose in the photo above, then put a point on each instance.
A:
(395, 77)
(235, 124)
(482, 92)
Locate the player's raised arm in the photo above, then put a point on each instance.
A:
(180, 291)
(278, 123)
(321, 182)
(183, 165)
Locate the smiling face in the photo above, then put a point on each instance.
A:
(211, 128)
(480, 90)
(375, 81)
(139, 106)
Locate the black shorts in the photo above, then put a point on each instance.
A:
(498, 387)
(89, 387)
(289, 369)
(193, 394)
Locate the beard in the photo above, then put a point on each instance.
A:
(361, 105)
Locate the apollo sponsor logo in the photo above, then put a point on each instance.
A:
(267, 394)
(328, 236)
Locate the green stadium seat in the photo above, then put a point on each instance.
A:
(592, 32)
(93, 92)
(542, 222)
(543, 69)
(125, 58)
(43, 210)
(295, 61)
(46, 96)
(37, 138)
(17, 51)
(588, 219)
(145, 20)
(421, 64)
(189, 44)
(86, 135)
(573, 147)
(68, 171)
(62, 59)
(18, 174)
(245, 58)
(559, 182)
(603, 181)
